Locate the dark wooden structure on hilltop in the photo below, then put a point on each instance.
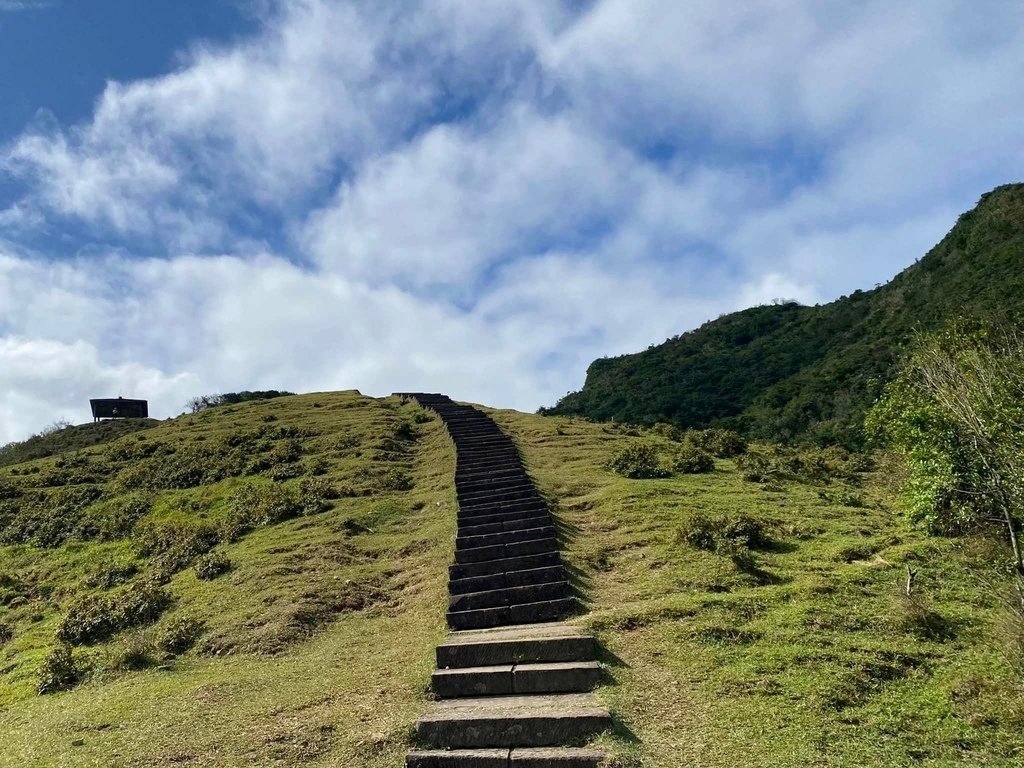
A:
(119, 408)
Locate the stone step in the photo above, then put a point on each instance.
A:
(503, 537)
(506, 551)
(526, 613)
(528, 644)
(493, 598)
(540, 757)
(507, 565)
(497, 493)
(516, 524)
(485, 484)
(510, 679)
(499, 507)
(513, 721)
(506, 580)
(500, 513)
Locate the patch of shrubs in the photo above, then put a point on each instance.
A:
(94, 618)
(316, 493)
(111, 574)
(46, 518)
(690, 459)
(60, 671)
(715, 534)
(638, 461)
(180, 634)
(255, 504)
(643, 461)
(135, 654)
(774, 463)
(175, 542)
(115, 518)
(12, 589)
(211, 565)
(6, 634)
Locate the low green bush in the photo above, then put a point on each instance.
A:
(6, 634)
(175, 542)
(258, 504)
(60, 671)
(690, 459)
(111, 574)
(93, 618)
(638, 461)
(180, 634)
(211, 565)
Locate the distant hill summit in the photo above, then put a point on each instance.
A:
(808, 373)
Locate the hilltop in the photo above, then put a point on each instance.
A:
(809, 373)
(292, 558)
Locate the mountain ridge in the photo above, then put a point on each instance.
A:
(793, 372)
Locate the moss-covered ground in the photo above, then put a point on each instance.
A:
(316, 646)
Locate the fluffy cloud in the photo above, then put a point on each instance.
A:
(481, 196)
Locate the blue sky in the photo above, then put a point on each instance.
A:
(470, 196)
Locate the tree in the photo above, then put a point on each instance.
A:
(955, 412)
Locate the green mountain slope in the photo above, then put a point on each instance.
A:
(784, 372)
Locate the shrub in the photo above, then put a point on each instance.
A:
(700, 532)
(724, 534)
(315, 493)
(60, 671)
(137, 653)
(180, 634)
(394, 479)
(639, 460)
(175, 542)
(691, 460)
(114, 519)
(111, 574)
(48, 518)
(258, 504)
(97, 617)
(6, 634)
(211, 565)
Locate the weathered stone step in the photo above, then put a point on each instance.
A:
(499, 493)
(513, 721)
(539, 757)
(506, 580)
(493, 598)
(499, 506)
(529, 644)
(516, 524)
(511, 480)
(506, 551)
(504, 537)
(489, 474)
(510, 679)
(507, 565)
(526, 613)
(502, 515)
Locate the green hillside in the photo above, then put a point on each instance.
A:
(789, 371)
(750, 616)
(72, 438)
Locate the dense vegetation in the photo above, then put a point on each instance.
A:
(809, 373)
(63, 438)
(215, 591)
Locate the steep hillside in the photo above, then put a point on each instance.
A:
(54, 443)
(784, 372)
(326, 524)
(750, 616)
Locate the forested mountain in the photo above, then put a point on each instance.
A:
(808, 373)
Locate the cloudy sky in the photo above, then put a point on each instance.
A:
(470, 196)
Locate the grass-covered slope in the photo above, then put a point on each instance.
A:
(745, 623)
(788, 371)
(68, 439)
(333, 512)
(789, 643)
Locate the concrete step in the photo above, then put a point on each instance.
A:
(526, 613)
(554, 757)
(486, 484)
(503, 537)
(493, 598)
(506, 551)
(515, 524)
(506, 565)
(499, 507)
(509, 679)
(497, 493)
(502, 515)
(513, 721)
(506, 580)
(527, 644)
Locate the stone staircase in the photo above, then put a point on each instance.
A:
(513, 682)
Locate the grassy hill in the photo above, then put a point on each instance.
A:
(72, 438)
(750, 622)
(790, 371)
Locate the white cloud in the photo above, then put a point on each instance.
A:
(481, 196)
